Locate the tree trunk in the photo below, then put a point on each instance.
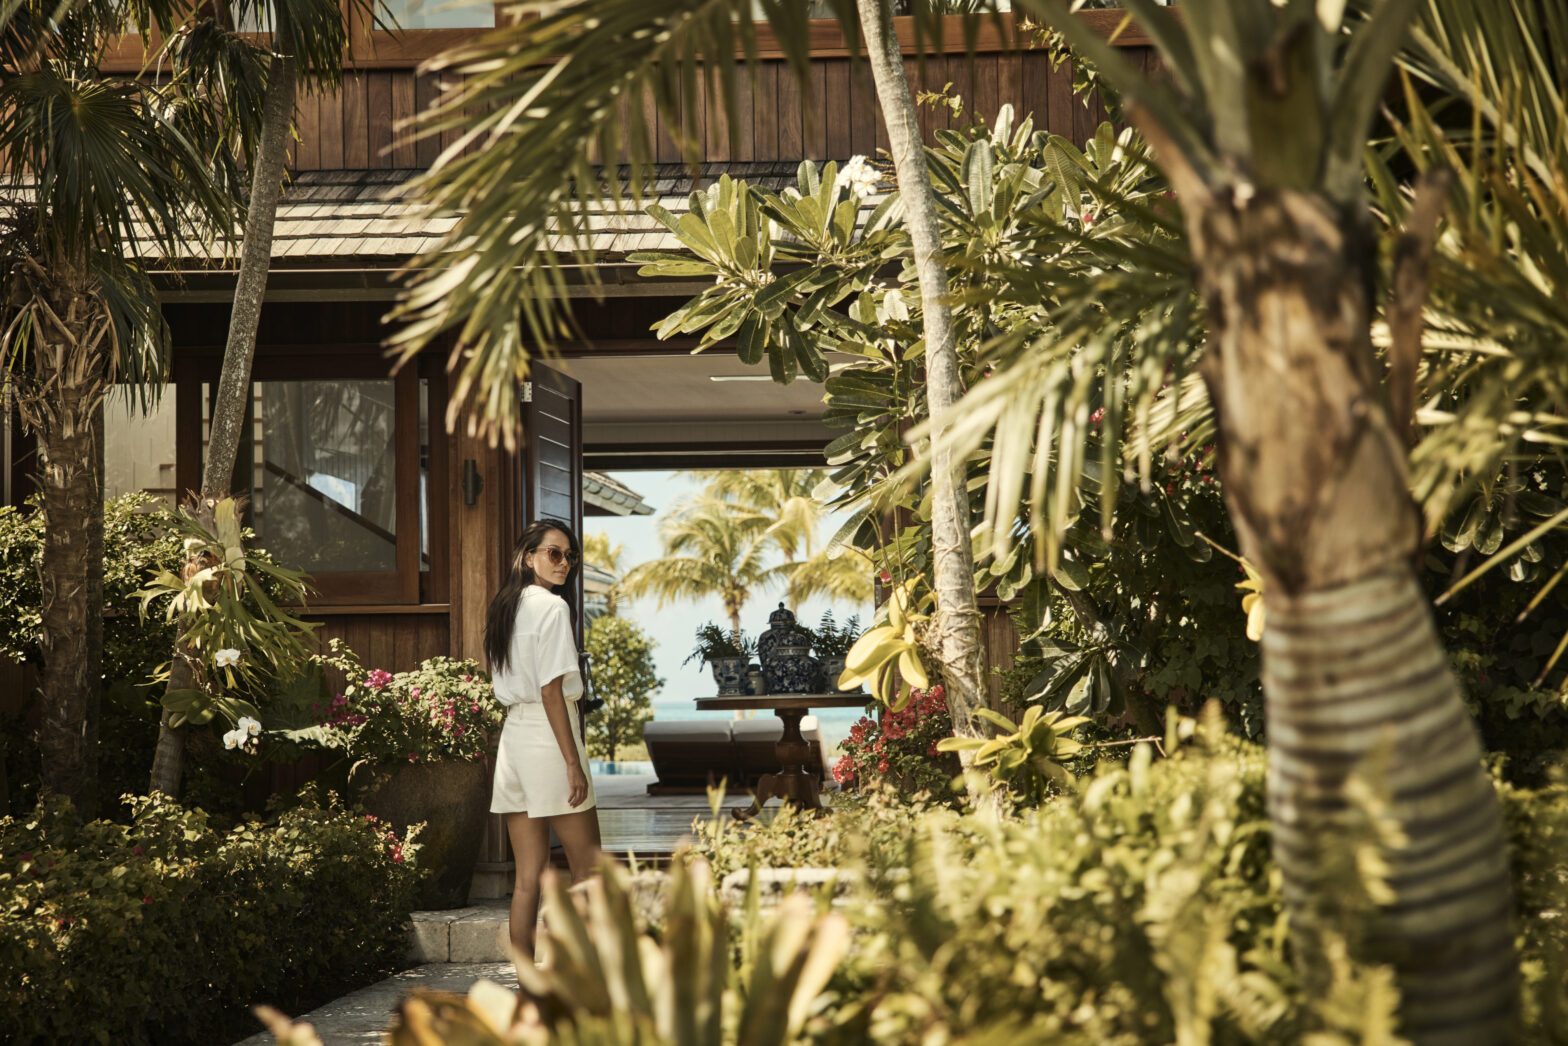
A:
(234, 393)
(70, 444)
(956, 622)
(1354, 674)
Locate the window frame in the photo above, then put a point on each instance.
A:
(409, 583)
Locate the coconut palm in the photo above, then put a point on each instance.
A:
(493, 280)
(788, 498)
(784, 497)
(258, 87)
(1260, 122)
(598, 551)
(709, 550)
(100, 175)
(1261, 128)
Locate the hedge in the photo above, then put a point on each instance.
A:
(167, 930)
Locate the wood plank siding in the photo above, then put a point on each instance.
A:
(831, 117)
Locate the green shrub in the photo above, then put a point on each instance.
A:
(1142, 906)
(164, 930)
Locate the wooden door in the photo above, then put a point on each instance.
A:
(551, 484)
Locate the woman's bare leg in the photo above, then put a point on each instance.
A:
(530, 853)
(579, 835)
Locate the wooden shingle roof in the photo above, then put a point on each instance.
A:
(359, 215)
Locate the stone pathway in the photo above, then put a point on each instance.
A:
(358, 1019)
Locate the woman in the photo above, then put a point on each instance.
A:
(541, 776)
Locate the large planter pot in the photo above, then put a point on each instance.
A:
(452, 798)
(832, 668)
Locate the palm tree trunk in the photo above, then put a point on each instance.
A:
(234, 393)
(957, 618)
(1354, 674)
(70, 443)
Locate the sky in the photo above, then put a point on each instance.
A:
(672, 628)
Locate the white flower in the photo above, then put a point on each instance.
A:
(250, 726)
(226, 657)
(234, 738)
(858, 176)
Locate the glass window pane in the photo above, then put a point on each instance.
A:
(138, 447)
(324, 488)
(440, 14)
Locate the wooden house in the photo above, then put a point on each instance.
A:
(354, 478)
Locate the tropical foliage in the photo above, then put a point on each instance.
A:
(93, 914)
(620, 657)
(100, 175)
(709, 550)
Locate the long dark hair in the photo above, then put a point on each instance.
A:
(502, 616)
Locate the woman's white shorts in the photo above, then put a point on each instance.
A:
(530, 775)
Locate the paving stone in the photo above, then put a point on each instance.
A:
(360, 1018)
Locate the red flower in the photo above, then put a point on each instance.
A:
(146, 899)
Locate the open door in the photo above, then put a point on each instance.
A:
(551, 484)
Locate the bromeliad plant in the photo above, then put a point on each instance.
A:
(233, 633)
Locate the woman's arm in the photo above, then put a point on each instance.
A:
(561, 726)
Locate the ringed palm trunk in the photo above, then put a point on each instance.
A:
(957, 618)
(68, 417)
(229, 410)
(1354, 674)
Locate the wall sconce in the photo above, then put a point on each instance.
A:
(473, 483)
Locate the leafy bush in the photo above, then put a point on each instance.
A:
(900, 747)
(444, 709)
(164, 930)
(620, 657)
(1140, 907)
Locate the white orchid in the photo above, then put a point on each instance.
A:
(251, 726)
(235, 738)
(858, 176)
(226, 658)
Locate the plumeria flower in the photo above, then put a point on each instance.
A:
(858, 176)
(251, 726)
(226, 658)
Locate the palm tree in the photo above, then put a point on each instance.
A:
(516, 202)
(100, 174)
(788, 498)
(308, 41)
(709, 550)
(784, 497)
(598, 551)
(1261, 127)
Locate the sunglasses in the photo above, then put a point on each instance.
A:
(558, 555)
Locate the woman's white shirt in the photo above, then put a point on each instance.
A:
(542, 649)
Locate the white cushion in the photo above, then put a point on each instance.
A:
(671, 730)
(772, 728)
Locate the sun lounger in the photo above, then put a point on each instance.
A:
(688, 755)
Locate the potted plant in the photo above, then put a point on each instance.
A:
(729, 652)
(420, 743)
(831, 642)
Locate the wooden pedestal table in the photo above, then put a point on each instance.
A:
(792, 783)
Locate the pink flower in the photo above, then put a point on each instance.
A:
(844, 770)
(146, 899)
(474, 707)
(413, 691)
(882, 766)
(378, 679)
(136, 850)
(413, 757)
